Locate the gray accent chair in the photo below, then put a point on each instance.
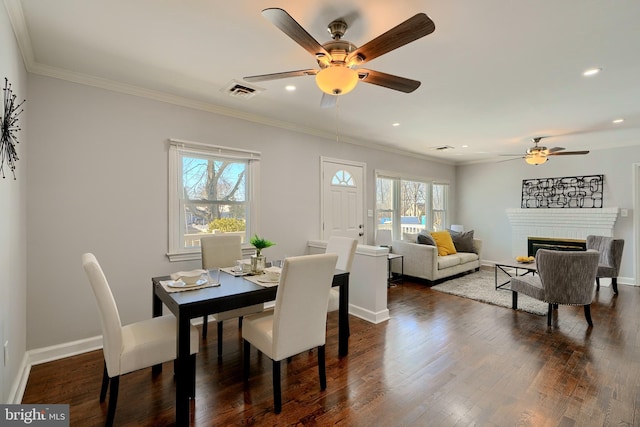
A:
(610, 258)
(564, 277)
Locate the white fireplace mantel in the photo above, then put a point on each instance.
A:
(560, 223)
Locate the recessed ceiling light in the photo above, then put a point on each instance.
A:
(465, 146)
(396, 124)
(290, 88)
(618, 121)
(591, 72)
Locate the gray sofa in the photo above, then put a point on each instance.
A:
(422, 261)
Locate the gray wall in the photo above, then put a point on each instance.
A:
(13, 196)
(486, 190)
(98, 182)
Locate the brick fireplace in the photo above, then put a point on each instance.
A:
(574, 224)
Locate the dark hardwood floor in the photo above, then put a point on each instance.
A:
(441, 360)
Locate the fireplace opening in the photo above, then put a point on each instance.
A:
(554, 243)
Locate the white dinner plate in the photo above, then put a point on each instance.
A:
(181, 284)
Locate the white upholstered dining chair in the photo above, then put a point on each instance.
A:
(135, 346)
(298, 320)
(345, 248)
(223, 250)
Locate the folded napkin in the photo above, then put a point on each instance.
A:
(179, 274)
(263, 281)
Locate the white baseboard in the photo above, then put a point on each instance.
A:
(48, 354)
(368, 315)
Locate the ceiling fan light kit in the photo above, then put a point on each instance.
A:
(536, 158)
(337, 80)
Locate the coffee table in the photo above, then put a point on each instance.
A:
(507, 268)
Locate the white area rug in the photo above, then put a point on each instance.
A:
(480, 286)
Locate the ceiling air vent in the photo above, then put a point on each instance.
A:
(241, 90)
(443, 148)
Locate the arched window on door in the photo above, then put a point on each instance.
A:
(344, 178)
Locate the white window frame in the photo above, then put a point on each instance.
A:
(397, 177)
(177, 148)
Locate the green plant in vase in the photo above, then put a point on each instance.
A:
(258, 261)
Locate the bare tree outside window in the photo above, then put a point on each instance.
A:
(439, 201)
(413, 198)
(214, 192)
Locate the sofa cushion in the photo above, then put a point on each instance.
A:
(443, 242)
(467, 257)
(462, 240)
(424, 238)
(410, 237)
(447, 261)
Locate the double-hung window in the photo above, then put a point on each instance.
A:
(211, 190)
(408, 205)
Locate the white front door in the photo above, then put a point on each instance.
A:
(342, 199)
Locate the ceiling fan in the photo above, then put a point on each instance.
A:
(538, 155)
(339, 59)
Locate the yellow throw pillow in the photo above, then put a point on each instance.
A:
(444, 243)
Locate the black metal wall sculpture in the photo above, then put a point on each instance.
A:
(567, 192)
(9, 128)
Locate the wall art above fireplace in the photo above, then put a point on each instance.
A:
(567, 192)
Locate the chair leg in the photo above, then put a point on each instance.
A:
(220, 339)
(514, 300)
(587, 314)
(321, 368)
(614, 285)
(113, 400)
(597, 284)
(277, 392)
(205, 325)
(105, 383)
(192, 376)
(245, 357)
(549, 314)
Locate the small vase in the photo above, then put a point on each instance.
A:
(258, 263)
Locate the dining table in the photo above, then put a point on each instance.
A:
(233, 292)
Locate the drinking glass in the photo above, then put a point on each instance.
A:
(214, 276)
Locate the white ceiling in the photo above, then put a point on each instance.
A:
(494, 74)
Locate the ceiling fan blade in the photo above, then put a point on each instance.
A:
(283, 75)
(517, 157)
(410, 30)
(388, 80)
(328, 101)
(568, 153)
(290, 27)
(555, 149)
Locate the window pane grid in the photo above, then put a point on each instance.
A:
(212, 197)
(408, 206)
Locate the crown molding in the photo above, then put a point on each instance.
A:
(19, 25)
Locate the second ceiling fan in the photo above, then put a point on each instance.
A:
(339, 59)
(538, 155)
